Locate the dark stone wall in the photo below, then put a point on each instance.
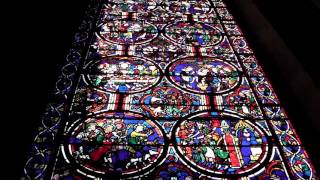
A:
(40, 35)
(316, 2)
(284, 36)
(298, 24)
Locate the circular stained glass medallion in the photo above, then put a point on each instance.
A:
(188, 7)
(112, 143)
(193, 34)
(221, 144)
(128, 32)
(122, 74)
(133, 6)
(208, 75)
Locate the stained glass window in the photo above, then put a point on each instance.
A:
(164, 89)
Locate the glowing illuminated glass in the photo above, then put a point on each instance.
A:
(163, 89)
